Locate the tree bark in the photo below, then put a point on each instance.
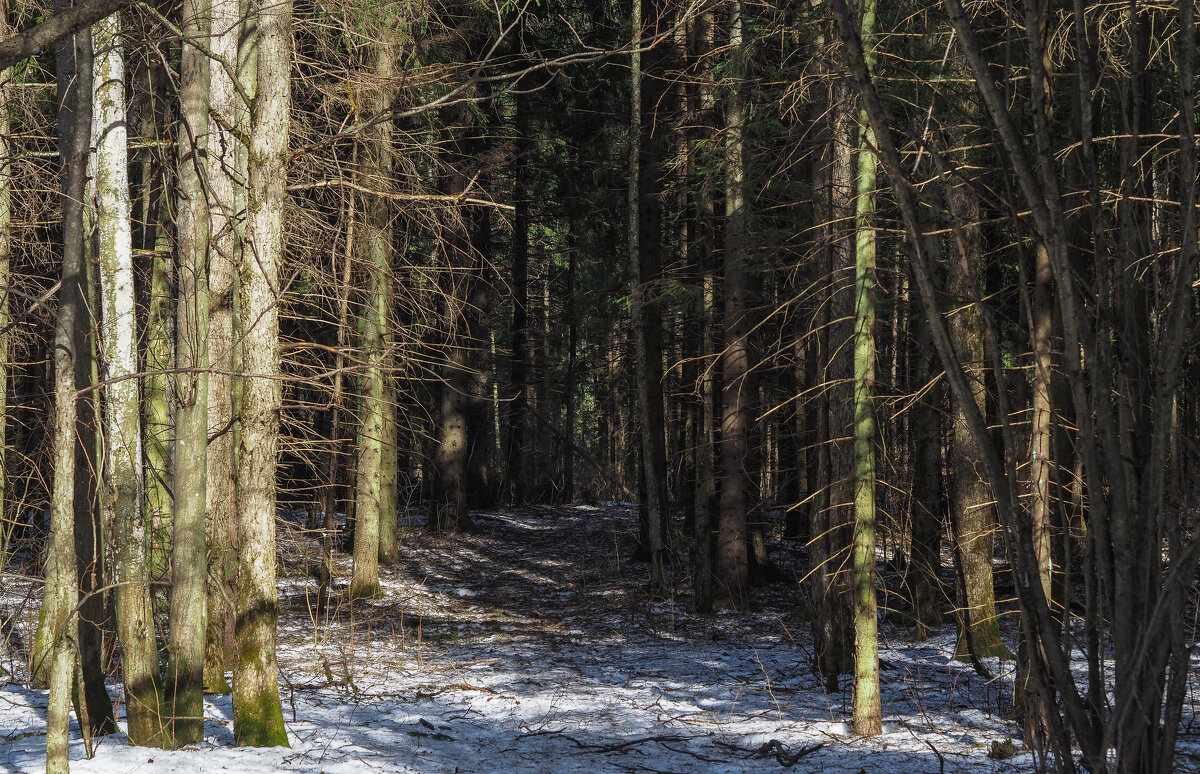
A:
(257, 712)
(732, 558)
(226, 193)
(867, 708)
(60, 593)
(189, 559)
(645, 224)
(376, 435)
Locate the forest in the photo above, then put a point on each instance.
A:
(818, 381)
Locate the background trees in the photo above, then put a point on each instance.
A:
(459, 255)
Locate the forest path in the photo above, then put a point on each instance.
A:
(530, 645)
(533, 637)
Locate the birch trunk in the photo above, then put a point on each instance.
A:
(121, 498)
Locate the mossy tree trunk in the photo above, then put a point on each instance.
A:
(257, 712)
(867, 708)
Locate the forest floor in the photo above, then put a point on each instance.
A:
(530, 645)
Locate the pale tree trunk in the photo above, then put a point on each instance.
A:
(121, 500)
(224, 182)
(189, 560)
(122, 459)
(867, 708)
(135, 627)
(732, 560)
(60, 592)
(257, 712)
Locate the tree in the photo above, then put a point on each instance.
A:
(257, 712)
(867, 712)
(61, 591)
(732, 563)
(189, 558)
(645, 227)
(226, 192)
(1148, 665)
(376, 433)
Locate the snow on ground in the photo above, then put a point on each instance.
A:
(529, 646)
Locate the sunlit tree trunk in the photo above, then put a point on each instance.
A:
(121, 500)
(867, 708)
(257, 712)
(189, 560)
(376, 435)
(225, 183)
(73, 60)
(383, 299)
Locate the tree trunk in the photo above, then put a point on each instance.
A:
(159, 347)
(732, 570)
(224, 180)
(374, 244)
(926, 594)
(6, 244)
(867, 708)
(60, 593)
(518, 416)
(832, 538)
(973, 516)
(257, 712)
(189, 559)
(645, 223)
(122, 456)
